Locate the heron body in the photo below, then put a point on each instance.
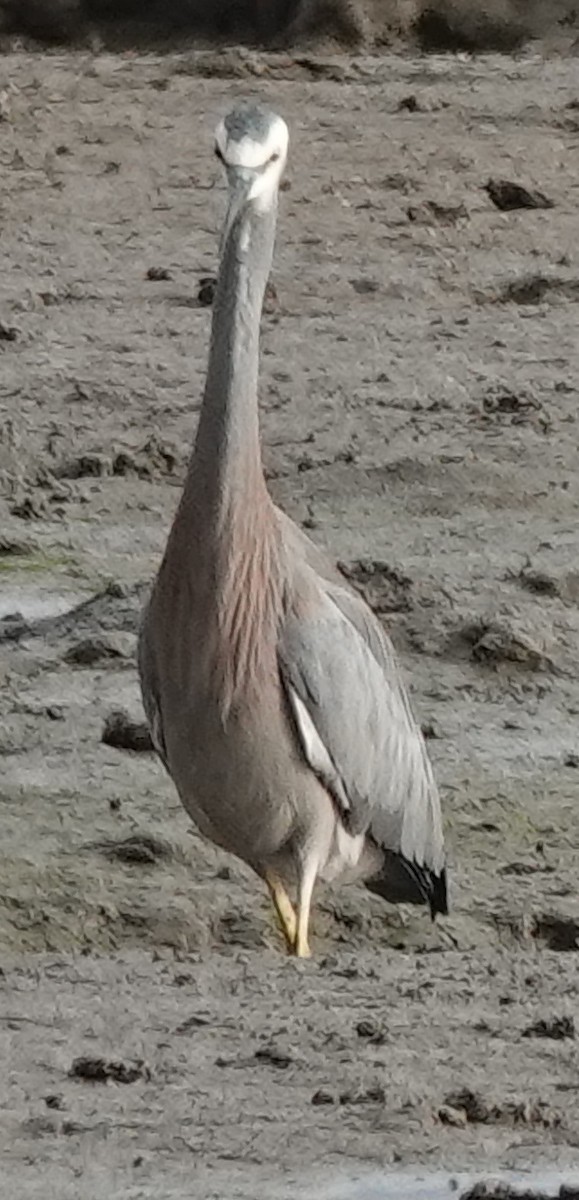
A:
(271, 690)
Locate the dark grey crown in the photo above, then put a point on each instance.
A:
(250, 120)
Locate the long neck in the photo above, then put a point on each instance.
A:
(226, 466)
(225, 527)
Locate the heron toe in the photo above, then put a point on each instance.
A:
(284, 909)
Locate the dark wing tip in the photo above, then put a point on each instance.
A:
(403, 882)
(438, 897)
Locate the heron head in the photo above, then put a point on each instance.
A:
(252, 144)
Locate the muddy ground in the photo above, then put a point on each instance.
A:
(419, 403)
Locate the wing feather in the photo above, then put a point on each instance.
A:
(358, 734)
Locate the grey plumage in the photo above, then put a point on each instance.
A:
(271, 689)
(248, 118)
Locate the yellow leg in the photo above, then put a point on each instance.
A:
(283, 907)
(305, 892)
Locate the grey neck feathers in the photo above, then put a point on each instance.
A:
(225, 469)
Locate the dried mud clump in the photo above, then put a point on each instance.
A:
(11, 547)
(141, 848)
(508, 195)
(125, 734)
(557, 932)
(383, 587)
(553, 1028)
(93, 651)
(476, 1111)
(100, 1070)
(504, 642)
(535, 289)
(484, 1190)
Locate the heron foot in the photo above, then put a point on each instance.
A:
(284, 909)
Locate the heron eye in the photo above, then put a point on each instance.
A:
(275, 156)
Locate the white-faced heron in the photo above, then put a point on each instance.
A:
(271, 689)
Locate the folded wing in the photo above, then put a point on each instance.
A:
(357, 733)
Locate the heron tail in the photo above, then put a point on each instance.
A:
(403, 882)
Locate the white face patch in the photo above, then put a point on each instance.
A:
(265, 156)
(265, 186)
(250, 153)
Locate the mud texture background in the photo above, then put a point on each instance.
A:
(419, 403)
